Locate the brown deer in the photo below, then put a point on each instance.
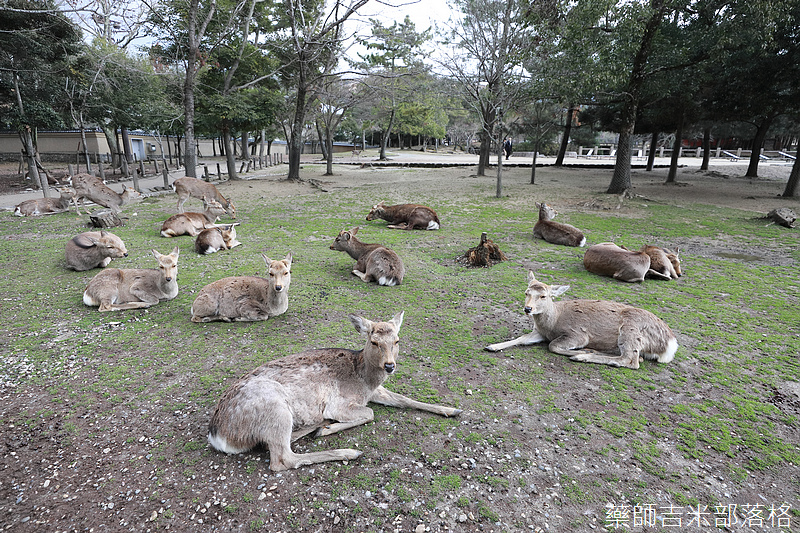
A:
(197, 188)
(593, 331)
(324, 390)
(405, 216)
(89, 187)
(46, 206)
(116, 289)
(556, 232)
(246, 298)
(192, 223)
(663, 262)
(374, 262)
(93, 249)
(220, 237)
(608, 259)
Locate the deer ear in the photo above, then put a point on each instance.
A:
(176, 252)
(288, 259)
(558, 290)
(267, 260)
(397, 320)
(362, 325)
(353, 231)
(531, 276)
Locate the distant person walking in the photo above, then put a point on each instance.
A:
(507, 148)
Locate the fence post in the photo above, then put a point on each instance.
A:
(165, 175)
(219, 172)
(101, 170)
(205, 172)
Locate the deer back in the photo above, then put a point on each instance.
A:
(608, 259)
(410, 215)
(93, 249)
(377, 262)
(556, 232)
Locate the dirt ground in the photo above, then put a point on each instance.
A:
(49, 487)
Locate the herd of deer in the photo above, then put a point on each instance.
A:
(325, 391)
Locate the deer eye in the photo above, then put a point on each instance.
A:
(374, 343)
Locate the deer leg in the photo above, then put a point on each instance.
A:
(533, 337)
(366, 278)
(574, 347)
(658, 275)
(383, 396)
(350, 418)
(251, 311)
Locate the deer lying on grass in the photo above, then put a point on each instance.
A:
(374, 262)
(193, 223)
(246, 298)
(220, 237)
(405, 216)
(325, 390)
(593, 331)
(93, 249)
(197, 188)
(92, 188)
(663, 262)
(116, 289)
(608, 259)
(556, 232)
(46, 206)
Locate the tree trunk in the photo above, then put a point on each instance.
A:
(562, 150)
(126, 145)
(651, 155)
(794, 179)
(296, 133)
(385, 136)
(483, 153)
(111, 139)
(676, 150)
(86, 158)
(245, 145)
(706, 148)
(499, 191)
(29, 153)
(329, 149)
(230, 158)
(533, 164)
(621, 181)
(758, 142)
(323, 138)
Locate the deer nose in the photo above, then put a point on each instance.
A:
(125, 254)
(169, 278)
(528, 310)
(278, 288)
(389, 367)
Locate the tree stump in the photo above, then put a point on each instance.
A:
(783, 216)
(105, 218)
(485, 254)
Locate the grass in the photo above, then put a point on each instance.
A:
(736, 321)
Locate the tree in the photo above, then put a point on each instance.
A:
(336, 98)
(308, 48)
(487, 47)
(191, 30)
(394, 56)
(36, 42)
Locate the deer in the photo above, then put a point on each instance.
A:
(197, 188)
(246, 298)
(374, 262)
(46, 206)
(93, 249)
(593, 331)
(220, 237)
(662, 262)
(405, 216)
(321, 391)
(116, 289)
(608, 259)
(193, 223)
(556, 232)
(92, 188)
